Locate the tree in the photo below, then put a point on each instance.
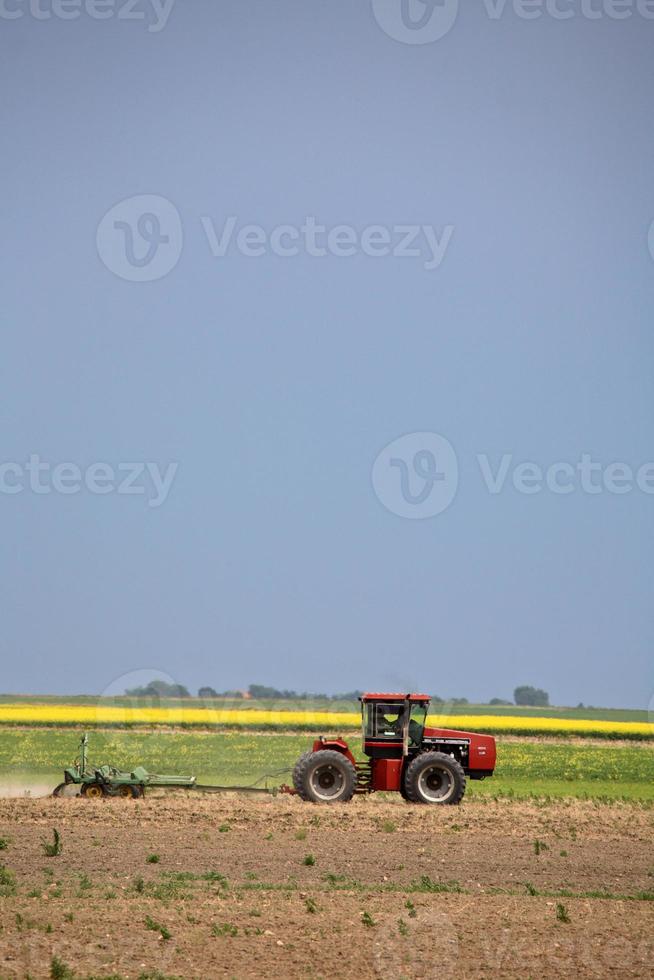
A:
(532, 696)
(158, 689)
(207, 692)
(499, 701)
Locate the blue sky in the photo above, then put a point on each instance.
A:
(271, 383)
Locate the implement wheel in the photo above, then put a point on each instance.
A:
(93, 791)
(326, 776)
(434, 777)
(129, 792)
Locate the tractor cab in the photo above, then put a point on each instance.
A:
(393, 724)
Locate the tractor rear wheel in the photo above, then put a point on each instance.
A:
(434, 777)
(325, 776)
(297, 771)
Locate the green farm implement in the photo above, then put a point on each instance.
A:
(97, 781)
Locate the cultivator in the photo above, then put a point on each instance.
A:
(425, 765)
(98, 781)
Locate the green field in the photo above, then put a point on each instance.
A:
(524, 769)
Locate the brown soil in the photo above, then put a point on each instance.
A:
(363, 909)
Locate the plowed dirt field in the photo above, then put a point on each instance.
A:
(231, 887)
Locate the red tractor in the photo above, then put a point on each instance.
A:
(425, 765)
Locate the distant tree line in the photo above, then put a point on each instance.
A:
(523, 695)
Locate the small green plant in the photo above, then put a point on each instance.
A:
(427, 885)
(4, 843)
(59, 970)
(157, 927)
(310, 906)
(315, 821)
(333, 879)
(226, 929)
(268, 837)
(531, 889)
(139, 885)
(35, 893)
(68, 916)
(540, 846)
(309, 860)
(224, 828)
(255, 913)
(389, 827)
(563, 854)
(55, 848)
(402, 927)
(49, 928)
(7, 882)
(411, 908)
(562, 913)
(301, 834)
(367, 920)
(85, 883)
(152, 859)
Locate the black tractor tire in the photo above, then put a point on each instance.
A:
(434, 777)
(297, 771)
(326, 776)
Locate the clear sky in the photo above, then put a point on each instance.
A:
(262, 389)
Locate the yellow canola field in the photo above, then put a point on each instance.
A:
(81, 714)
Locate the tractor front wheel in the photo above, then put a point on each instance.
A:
(434, 777)
(325, 776)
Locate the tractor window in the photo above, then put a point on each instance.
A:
(383, 720)
(417, 723)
